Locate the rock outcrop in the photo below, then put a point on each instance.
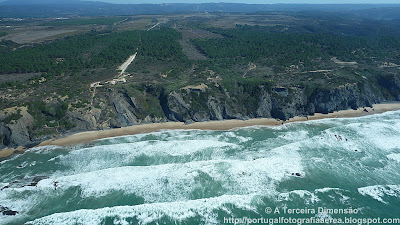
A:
(16, 132)
(125, 107)
(347, 96)
(7, 212)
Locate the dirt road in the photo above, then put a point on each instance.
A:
(125, 65)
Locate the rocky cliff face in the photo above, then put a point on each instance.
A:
(346, 96)
(390, 84)
(125, 107)
(16, 131)
(278, 102)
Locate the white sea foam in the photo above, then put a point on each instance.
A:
(173, 148)
(297, 135)
(168, 182)
(176, 135)
(54, 158)
(327, 189)
(240, 167)
(395, 157)
(379, 191)
(22, 205)
(172, 182)
(105, 156)
(163, 135)
(43, 149)
(148, 213)
(313, 197)
(390, 115)
(382, 135)
(317, 159)
(307, 196)
(239, 139)
(332, 192)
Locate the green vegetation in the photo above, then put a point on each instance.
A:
(239, 72)
(11, 117)
(160, 54)
(11, 84)
(7, 45)
(49, 115)
(282, 50)
(93, 50)
(72, 54)
(98, 21)
(3, 34)
(162, 45)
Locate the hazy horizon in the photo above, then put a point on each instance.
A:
(249, 1)
(260, 1)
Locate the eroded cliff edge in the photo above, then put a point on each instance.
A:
(127, 105)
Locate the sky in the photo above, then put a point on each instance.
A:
(262, 1)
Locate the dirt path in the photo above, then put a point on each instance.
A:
(252, 66)
(125, 65)
(153, 26)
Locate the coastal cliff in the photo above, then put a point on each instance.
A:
(261, 102)
(120, 107)
(188, 70)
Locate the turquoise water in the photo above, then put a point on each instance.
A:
(207, 177)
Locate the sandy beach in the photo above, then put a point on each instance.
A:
(4, 153)
(89, 136)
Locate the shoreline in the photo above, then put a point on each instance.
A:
(89, 136)
(7, 152)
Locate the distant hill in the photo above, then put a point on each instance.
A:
(49, 2)
(380, 13)
(52, 8)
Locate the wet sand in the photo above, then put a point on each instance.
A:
(89, 136)
(7, 152)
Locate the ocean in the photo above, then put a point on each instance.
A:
(337, 170)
